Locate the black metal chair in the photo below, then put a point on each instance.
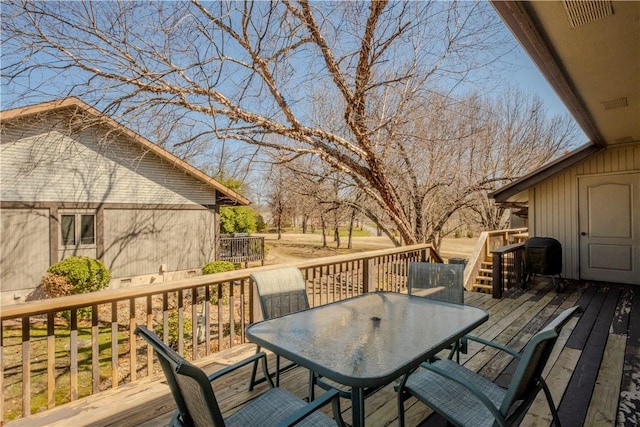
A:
(197, 405)
(281, 291)
(442, 282)
(466, 398)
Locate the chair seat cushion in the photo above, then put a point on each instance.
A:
(451, 399)
(273, 406)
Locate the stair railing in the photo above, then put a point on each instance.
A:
(487, 242)
(508, 268)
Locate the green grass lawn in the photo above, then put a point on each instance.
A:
(12, 347)
(344, 232)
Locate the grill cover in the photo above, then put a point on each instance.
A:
(543, 255)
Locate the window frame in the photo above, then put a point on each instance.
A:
(78, 235)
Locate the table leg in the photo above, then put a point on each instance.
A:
(357, 407)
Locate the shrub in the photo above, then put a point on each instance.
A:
(55, 286)
(261, 226)
(219, 267)
(174, 326)
(83, 273)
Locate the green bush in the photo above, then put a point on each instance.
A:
(219, 267)
(174, 327)
(83, 273)
(261, 226)
(239, 219)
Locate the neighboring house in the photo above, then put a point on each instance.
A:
(589, 200)
(75, 182)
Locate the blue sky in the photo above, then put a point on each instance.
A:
(530, 78)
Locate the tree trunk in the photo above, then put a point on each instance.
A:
(324, 231)
(352, 220)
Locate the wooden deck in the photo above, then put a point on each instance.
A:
(593, 373)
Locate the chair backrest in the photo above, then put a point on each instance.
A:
(444, 282)
(526, 379)
(281, 291)
(189, 385)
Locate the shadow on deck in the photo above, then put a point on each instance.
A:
(592, 374)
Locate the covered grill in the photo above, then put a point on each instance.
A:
(543, 256)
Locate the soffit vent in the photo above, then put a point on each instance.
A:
(615, 103)
(582, 12)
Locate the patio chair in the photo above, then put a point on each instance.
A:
(197, 405)
(281, 291)
(466, 398)
(443, 282)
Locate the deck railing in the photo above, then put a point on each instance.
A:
(58, 350)
(241, 249)
(487, 242)
(508, 268)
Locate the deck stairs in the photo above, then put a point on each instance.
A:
(484, 279)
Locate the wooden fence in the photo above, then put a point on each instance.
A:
(59, 350)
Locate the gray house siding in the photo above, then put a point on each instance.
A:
(155, 216)
(44, 165)
(553, 203)
(23, 235)
(150, 241)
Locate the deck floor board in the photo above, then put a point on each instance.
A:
(592, 372)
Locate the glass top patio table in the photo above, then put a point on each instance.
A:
(367, 341)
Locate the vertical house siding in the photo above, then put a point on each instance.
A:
(141, 241)
(24, 247)
(553, 206)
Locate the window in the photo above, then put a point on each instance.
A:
(87, 230)
(68, 229)
(77, 229)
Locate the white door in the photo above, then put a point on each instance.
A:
(609, 219)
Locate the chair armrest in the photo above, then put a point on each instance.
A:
(307, 410)
(472, 389)
(511, 351)
(224, 371)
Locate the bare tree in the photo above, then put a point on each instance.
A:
(279, 200)
(253, 71)
(517, 137)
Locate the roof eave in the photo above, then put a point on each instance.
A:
(522, 22)
(503, 194)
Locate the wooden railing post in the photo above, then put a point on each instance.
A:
(425, 254)
(497, 275)
(368, 275)
(26, 366)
